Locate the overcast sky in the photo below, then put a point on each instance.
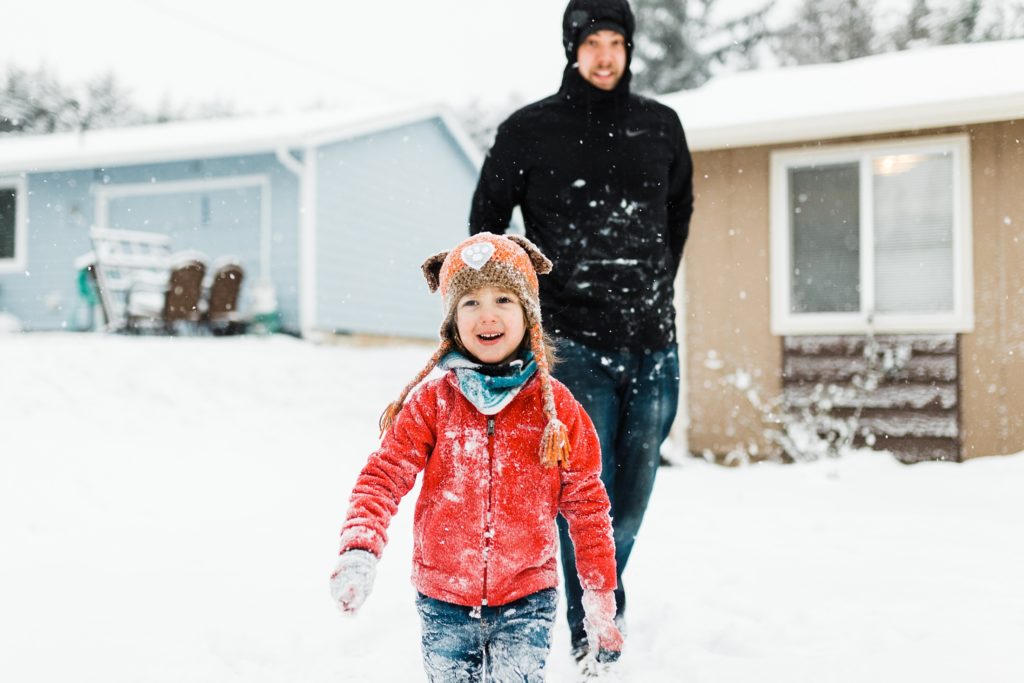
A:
(273, 55)
(281, 55)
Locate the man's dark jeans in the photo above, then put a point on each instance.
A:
(511, 642)
(631, 396)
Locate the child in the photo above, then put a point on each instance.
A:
(503, 448)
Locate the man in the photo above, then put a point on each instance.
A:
(604, 181)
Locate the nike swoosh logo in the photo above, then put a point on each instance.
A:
(635, 133)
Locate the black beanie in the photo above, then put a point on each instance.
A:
(583, 17)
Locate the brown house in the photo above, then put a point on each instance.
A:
(857, 254)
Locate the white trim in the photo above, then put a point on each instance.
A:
(783, 322)
(963, 240)
(104, 193)
(119, 190)
(867, 238)
(19, 262)
(266, 238)
(187, 140)
(307, 243)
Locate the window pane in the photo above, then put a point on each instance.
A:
(913, 232)
(7, 225)
(825, 227)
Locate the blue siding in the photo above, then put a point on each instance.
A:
(384, 203)
(61, 208)
(225, 221)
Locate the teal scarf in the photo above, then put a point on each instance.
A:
(489, 387)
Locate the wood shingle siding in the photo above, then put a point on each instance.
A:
(904, 390)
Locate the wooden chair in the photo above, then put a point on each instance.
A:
(221, 315)
(166, 306)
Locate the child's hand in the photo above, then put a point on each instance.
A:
(352, 580)
(599, 622)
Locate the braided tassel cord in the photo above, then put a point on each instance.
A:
(387, 418)
(554, 442)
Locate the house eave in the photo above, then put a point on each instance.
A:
(877, 121)
(84, 155)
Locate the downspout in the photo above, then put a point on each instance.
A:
(305, 170)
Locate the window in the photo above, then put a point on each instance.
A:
(12, 225)
(874, 236)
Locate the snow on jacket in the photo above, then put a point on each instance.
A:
(605, 183)
(484, 528)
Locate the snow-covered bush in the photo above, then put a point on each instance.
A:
(824, 423)
(8, 323)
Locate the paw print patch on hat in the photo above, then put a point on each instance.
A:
(477, 255)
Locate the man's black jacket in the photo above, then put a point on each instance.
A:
(605, 183)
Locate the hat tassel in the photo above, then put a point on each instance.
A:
(554, 445)
(388, 417)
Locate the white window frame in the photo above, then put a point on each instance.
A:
(785, 322)
(19, 262)
(105, 193)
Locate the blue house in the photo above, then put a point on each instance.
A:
(332, 212)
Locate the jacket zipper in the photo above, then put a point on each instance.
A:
(488, 523)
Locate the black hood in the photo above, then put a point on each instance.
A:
(581, 18)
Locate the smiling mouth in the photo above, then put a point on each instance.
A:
(493, 336)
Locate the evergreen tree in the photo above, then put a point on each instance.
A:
(829, 31)
(837, 30)
(680, 43)
(914, 30)
(38, 102)
(972, 21)
(962, 25)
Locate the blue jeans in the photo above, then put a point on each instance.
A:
(510, 642)
(631, 396)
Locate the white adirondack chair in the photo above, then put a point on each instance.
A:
(128, 260)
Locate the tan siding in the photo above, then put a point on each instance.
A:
(727, 298)
(728, 255)
(993, 355)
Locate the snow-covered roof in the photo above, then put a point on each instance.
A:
(911, 90)
(207, 138)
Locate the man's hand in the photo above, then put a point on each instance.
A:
(352, 580)
(599, 622)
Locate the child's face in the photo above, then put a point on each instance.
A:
(491, 324)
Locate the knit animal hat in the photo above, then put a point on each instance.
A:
(507, 262)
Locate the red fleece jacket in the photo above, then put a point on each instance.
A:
(484, 530)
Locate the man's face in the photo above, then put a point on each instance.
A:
(601, 59)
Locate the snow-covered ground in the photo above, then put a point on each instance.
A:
(169, 511)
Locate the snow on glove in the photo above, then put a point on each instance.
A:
(352, 579)
(599, 622)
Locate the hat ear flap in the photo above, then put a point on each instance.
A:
(432, 270)
(540, 262)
